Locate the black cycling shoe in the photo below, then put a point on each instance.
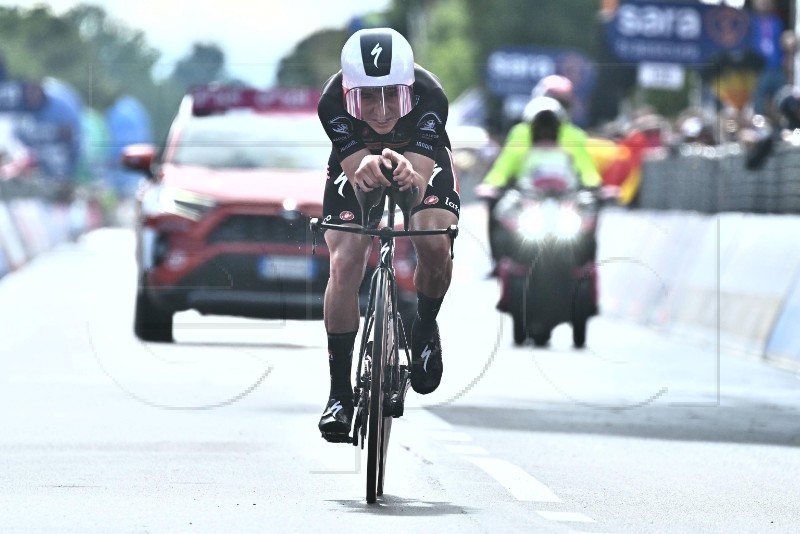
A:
(337, 419)
(426, 361)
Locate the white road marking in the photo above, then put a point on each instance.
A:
(519, 483)
(574, 517)
(449, 435)
(514, 479)
(466, 450)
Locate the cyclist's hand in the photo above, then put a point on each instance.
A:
(404, 173)
(368, 176)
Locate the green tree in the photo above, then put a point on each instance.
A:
(313, 60)
(37, 44)
(447, 49)
(204, 64)
(120, 61)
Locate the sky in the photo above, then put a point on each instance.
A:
(254, 34)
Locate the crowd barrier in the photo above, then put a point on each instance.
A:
(716, 179)
(36, 215)
(729, 281)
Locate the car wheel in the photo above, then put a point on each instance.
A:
(150, 322)
(520, 330)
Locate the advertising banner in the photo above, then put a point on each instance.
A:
(512, 72)
(675, 33)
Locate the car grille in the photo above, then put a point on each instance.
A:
(261, 229)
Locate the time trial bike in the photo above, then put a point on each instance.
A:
(384, 363)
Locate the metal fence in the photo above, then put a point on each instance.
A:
(715, 179)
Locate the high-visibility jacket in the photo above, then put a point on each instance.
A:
(509, 163)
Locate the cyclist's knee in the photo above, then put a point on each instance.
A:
(433, 249)
(348, 260)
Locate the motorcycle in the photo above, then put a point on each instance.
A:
(547, 268)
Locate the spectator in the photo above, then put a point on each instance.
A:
(767, 31)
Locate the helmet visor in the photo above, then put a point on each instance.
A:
(379, 104)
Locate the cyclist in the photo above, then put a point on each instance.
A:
(382, 111)
(508, 165)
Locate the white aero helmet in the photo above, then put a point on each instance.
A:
(377, 75)
(541, 106)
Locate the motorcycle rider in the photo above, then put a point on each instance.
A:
(546, 160)
(383, 111)
(507, 167)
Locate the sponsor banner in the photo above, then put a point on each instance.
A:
(218, 99)
(688, 34)
(512, 72)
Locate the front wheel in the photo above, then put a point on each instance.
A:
(375, 440)
(579, 333)
(150, 322)
(540, 335)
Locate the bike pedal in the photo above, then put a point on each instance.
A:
(336, 437)
(399, 398)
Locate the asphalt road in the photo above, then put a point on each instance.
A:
(217, 432)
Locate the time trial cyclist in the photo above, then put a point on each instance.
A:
(380, 111)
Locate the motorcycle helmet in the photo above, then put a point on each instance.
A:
(545, 115)
(555, 86)
(377, 75)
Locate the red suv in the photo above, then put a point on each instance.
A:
(222, 221)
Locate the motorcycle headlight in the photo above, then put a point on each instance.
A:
(569, 224)
(542, 223)
(531, 224)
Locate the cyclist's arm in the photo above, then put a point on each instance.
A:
(507, 166)
(426, 140)
(363, 170)
(573, 139)
(422, 169)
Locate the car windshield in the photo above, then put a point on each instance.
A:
(253, 141)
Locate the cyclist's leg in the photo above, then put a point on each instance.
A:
(439, 209)
(348, 259)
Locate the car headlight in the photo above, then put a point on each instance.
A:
(181, 202)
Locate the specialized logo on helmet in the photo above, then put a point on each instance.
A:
(431, 200)
(347, 216)
(341, 125)
(429, 121)
(376, 54)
